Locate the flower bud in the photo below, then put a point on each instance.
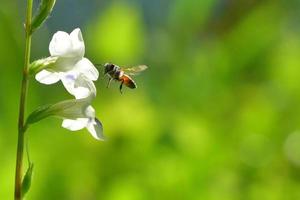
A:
(44, 11)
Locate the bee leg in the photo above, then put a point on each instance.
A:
(108, 83)
(121, 86)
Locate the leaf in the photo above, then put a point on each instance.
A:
(44, 12)
(26, 183)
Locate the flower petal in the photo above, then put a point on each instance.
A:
(95, 127)
(75, 125)
(78, 47)
(86, 67)
(90, 112)
(47, 77)
(72, 109)
(64, 64)
(81, 92)
(68, 79)
(78, 85)
(61, 44)
(82, 83)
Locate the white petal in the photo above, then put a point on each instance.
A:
(81, 92)
(86, 67)
(72, 109)
(82, 83)
(94, 126)
(61, 44)
(90, 112)
(75, 125)
(68, 80)
(47, 77)
(78, 85)
(65, 64)
(78, 47)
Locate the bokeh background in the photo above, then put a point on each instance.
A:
(216, 115)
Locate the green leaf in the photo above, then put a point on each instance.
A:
(26, 183)
(44, 12)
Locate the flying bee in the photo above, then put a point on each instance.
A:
(122, 74)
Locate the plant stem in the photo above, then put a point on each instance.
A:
(24, 88)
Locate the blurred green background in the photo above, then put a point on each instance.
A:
(216, 115)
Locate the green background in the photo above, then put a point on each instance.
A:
(216, 115)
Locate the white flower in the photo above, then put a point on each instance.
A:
(88, 121)
(76, 114)
(76, 72)
(79, 114)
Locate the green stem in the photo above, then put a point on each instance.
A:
(24, 88)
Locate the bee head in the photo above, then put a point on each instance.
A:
(108, 67)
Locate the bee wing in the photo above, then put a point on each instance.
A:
(135, 70)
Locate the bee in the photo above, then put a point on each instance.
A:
(121, 74)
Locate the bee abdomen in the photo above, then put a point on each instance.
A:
(127, 80)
